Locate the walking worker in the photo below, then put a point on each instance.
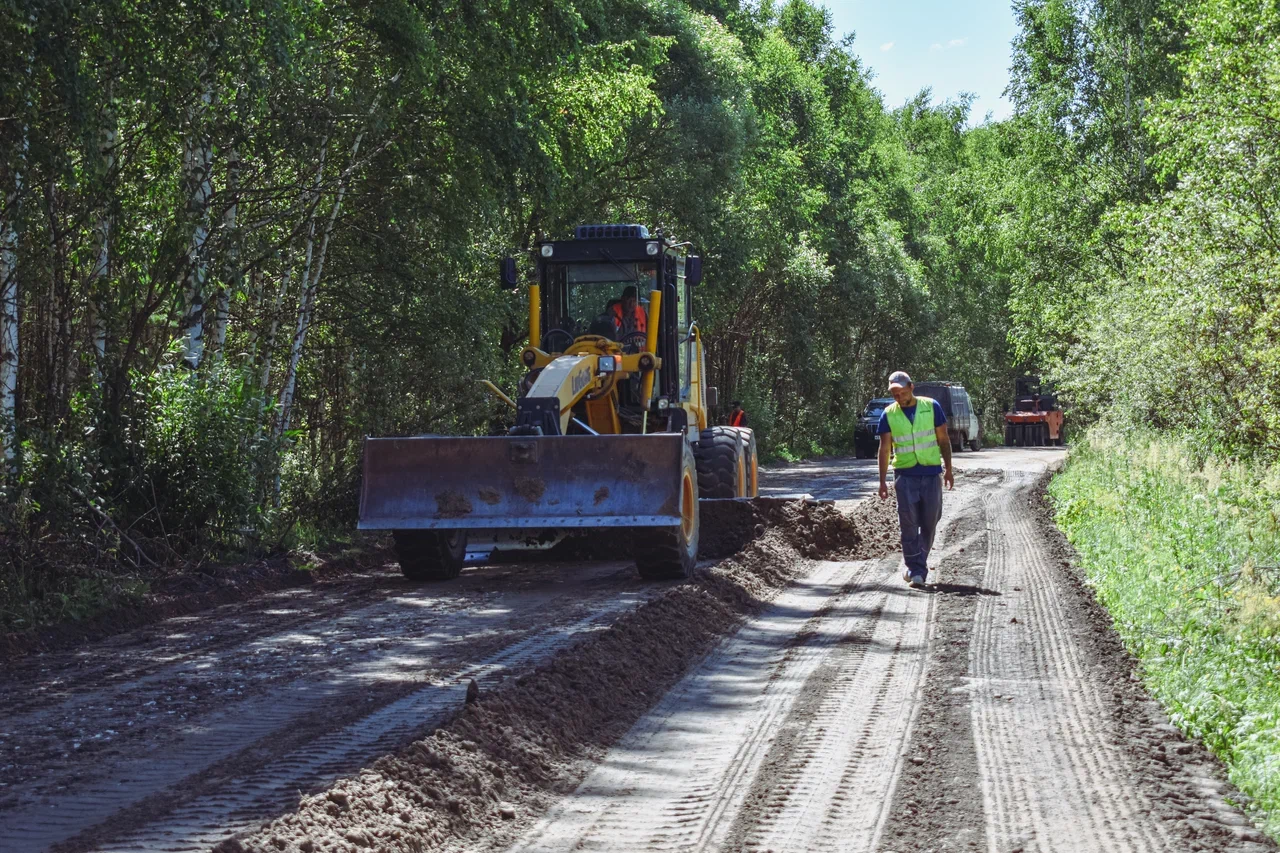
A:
(914, 429)
(737, 417)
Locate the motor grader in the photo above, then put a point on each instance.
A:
(611, 439)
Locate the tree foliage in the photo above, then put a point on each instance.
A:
(1143, 170)
(247, 235)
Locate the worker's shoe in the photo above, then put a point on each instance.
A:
(914, 581)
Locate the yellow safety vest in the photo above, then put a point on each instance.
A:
(914, 442)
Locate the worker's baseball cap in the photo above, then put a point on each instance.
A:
(629, 290)
(899, 379)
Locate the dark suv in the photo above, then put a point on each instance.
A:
(962, 421)
(865, 440)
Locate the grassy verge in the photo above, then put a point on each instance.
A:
(1185, 554)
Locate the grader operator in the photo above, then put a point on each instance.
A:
(610, 434)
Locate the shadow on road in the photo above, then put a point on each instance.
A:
(960, 589)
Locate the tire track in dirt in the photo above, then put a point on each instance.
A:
(841, 743)
(137, 788)
(805, 758)
(937, 806)
(709, 734)
(1053, 777)
(846, 762)
(274, 786)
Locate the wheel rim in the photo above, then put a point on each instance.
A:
(740, 488)
(755, 476)
(688, 506)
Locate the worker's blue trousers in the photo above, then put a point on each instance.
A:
(919, 508)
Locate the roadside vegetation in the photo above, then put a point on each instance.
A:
(1184, 550)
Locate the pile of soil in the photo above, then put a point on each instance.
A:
(508, 754)
(816, 529)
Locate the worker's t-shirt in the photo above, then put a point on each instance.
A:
(939, 418)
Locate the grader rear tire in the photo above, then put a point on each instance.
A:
(430, 555)
(719, 460)
(671, 553)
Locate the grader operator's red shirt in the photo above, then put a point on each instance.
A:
(640, 319)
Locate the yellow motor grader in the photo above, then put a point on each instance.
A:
(610, 433)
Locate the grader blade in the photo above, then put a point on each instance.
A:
(443, 483)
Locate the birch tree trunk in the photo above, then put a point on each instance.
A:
(304, 314)
(231, 277)
(100, 283)
(198, 163)
(286, 276)
(311, 282)
(9, 309)
(9, 339)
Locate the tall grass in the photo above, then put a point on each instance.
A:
(1185, 553)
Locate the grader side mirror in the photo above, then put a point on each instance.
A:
(713, 397)
(693, 270)
(507, 270)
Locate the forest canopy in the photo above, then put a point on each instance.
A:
(237, 237)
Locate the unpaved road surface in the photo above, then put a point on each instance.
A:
(995, 711)
(173, 737)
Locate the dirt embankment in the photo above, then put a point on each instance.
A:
(180, 592)
(510, 752)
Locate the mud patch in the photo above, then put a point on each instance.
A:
(530, 488)
(451, 504)
(602, 495)
(490, 496)
(508, 755)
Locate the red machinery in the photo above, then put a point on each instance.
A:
(1036, 420)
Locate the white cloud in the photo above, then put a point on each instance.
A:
(886, 47)
(956, 42)
(935, 46)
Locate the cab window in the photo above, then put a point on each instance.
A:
(583, 295)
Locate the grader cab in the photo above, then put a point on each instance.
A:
(611, 428)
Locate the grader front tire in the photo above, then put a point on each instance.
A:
(430, 555)
(671, 553)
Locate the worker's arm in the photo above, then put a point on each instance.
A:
(944, 444)
(886, 442)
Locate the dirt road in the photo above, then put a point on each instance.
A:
(994, 711)
(176, 736)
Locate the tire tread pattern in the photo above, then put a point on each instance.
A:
(716, 458)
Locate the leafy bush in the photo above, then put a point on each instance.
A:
(1185, 554)
(201, 449)
(180, 477)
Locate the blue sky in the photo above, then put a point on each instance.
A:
(951, 46)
